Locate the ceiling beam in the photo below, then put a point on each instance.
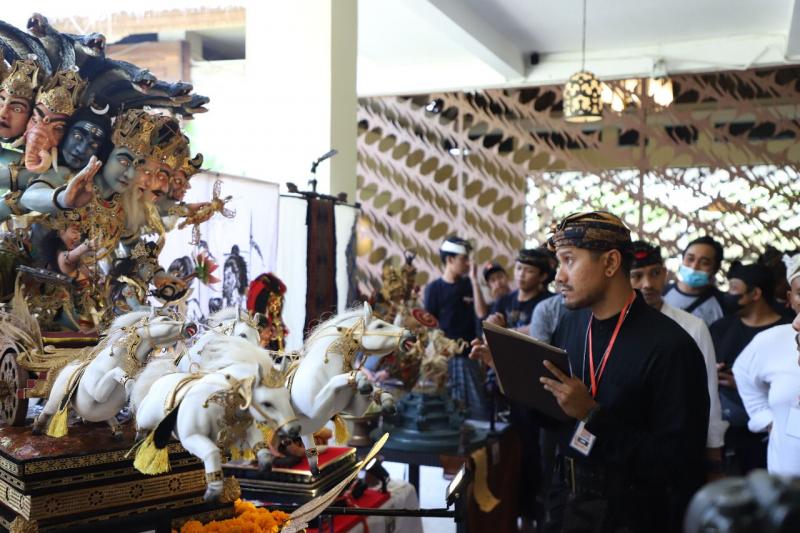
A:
(704, 55)
(793, 33)
(471, 32)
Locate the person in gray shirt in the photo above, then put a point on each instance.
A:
(546, 317)
(695, 291)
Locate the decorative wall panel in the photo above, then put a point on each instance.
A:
(499, 166)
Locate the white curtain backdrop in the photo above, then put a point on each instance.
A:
(254, 230)
(346, 217)
(292, 266)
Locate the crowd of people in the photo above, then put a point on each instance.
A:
(674, 382)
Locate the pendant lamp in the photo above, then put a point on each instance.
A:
(582, 92)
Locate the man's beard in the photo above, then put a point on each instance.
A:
(589, 299)
(133, 206)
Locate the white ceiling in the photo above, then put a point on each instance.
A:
(555, 26)
(408, 46)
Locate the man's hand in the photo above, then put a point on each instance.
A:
(572, 395)
(473, 272)
(725, 376)
(498, 319)
(481, 352)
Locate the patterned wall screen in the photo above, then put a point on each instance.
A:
(499, 166)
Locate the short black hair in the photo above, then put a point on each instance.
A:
(719, 253)
(626, 264)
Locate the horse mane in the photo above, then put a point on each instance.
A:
(226, 313)
(315, 334)
(114, 330)
(236, 351)
(128, 319)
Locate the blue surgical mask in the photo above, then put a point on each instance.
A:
(693, 278)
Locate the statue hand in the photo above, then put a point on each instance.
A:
(80, 190)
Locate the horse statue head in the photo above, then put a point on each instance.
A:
(267, 401)
(362, 331)
(143, 331)
(234, 322)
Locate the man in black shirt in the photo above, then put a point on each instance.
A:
(450, 300)
(532, 274)
(748, 302)
(634, 455)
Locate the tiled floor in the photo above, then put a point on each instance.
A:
(432, 494)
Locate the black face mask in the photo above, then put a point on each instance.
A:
(730, 303)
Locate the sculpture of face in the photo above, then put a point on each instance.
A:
(119, 171)
(44, 133)
(83, 140)
(178, 186)
(14, 114)
(71, 236)
(153, 178)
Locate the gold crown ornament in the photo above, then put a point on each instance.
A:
(23, 79)
(172, 150)
(190, 167)
(62, 93)
(147, 134)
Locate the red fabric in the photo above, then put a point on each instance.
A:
(256, 286)
(371, 499)
(330, 454)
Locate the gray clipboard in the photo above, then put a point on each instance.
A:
(519, 362)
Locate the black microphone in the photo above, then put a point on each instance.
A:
(322, 158)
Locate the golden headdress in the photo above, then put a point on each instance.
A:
(23, 79)
(172, 150)
(151, 135)
(62, 93)
(192, 166)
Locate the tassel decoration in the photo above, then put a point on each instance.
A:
(151, 460)
(59, 423)
(340, 432)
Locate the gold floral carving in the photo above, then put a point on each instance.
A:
(20, 525)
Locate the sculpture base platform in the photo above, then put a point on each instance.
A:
(83, 482)
(428, 423)
(295, 484)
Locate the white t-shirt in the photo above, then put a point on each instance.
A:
(698, 330)
(768, 379)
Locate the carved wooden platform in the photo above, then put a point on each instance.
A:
(83, 480)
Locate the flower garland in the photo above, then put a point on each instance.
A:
(249, 519)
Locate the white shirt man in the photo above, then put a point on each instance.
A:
(650, 277)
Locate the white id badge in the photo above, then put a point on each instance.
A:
(793, 422)
(582, 440)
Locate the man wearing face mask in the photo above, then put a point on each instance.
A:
(695, 292)
(748, 302)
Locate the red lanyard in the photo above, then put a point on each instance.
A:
(596, 378)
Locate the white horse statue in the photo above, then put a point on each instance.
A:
(326, 378)
(97, 387)
(216, 408)
(231, 322)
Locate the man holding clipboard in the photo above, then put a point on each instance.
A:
(631, 453)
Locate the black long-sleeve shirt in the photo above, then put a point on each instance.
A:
(653, 417)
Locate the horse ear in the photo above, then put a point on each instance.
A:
(367, 313)
(245, 388)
